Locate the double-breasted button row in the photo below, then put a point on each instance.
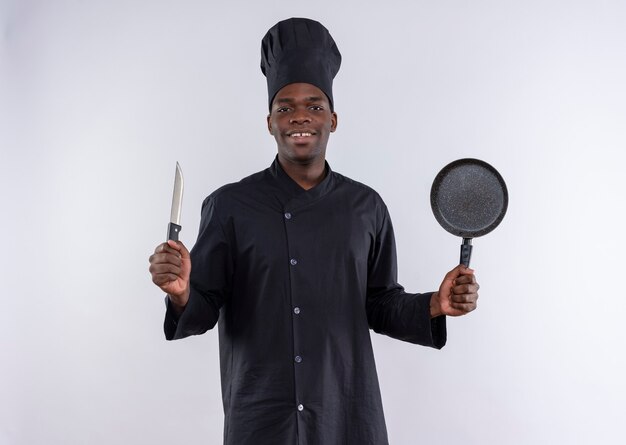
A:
(296, 309)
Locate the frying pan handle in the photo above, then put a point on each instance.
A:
(466, 252)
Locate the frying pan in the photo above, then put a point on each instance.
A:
(469, 199)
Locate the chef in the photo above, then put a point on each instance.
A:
(296, 264)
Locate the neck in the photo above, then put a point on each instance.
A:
(307, 175)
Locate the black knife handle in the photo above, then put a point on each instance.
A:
(466, 252)
(173, 230)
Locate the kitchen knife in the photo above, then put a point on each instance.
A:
(174, 227)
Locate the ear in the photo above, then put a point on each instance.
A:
(333, 122)
(269, 125)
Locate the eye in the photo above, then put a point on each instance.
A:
(316, 108)
(282, 109)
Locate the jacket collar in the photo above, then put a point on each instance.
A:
(294, 190)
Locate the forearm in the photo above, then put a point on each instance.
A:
(179, 302)
(435, 305)
(406, 317)
(175, 305)
(198, 316)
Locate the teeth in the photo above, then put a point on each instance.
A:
(299, 135)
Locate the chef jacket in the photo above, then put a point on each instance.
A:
(296, 279)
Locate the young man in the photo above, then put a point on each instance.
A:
(298, 262)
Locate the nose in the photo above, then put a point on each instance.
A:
(300, 116)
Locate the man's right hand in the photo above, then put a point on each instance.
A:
(170, 266)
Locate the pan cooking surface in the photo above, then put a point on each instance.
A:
(469, 198)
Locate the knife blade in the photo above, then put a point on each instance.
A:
(174, 227)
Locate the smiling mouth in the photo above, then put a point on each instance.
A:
(302, 134)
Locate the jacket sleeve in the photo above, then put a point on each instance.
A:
(391, 310)
(210, 281)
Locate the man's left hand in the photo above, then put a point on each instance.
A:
(457, 294)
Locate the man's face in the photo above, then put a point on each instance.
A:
(301, 121)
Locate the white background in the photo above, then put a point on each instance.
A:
(99, 99)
